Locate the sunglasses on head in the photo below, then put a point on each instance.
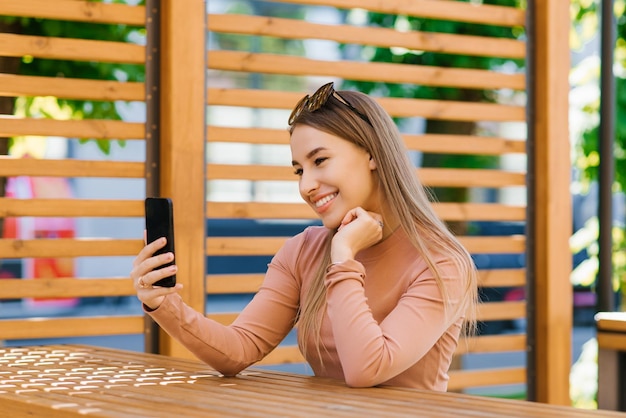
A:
(318, 99)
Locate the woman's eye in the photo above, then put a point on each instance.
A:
(298, 172)
(320, 160)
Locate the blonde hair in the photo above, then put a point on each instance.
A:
(411, 206)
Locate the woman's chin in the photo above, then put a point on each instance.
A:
(331, 224)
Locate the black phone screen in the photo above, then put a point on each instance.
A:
(160, 223)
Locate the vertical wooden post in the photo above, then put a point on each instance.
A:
(552, 218)
(153, 111)
(182, 176)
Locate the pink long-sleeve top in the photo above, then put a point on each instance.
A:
(385, 321)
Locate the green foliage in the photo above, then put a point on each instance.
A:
(586, 140)
(429, 58)
(585, 106)
(80, 109)
(258, 44)
(586, 238)
(584, 377)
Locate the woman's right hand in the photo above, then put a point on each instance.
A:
(144, 274)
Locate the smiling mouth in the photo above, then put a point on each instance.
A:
(325, 200)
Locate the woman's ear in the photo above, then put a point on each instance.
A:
(372, 163)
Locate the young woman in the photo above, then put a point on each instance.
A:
(380, 293)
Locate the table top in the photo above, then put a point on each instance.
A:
(77, 380)
(611, 321)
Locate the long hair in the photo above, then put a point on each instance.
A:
(411, 206)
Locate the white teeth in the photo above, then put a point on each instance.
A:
(325, 200)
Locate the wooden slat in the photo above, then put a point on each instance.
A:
(48, 47)
(365, 71)
(464, 144)
(502, 278)
(223, 246)
(491, 344)
(380, 37)
(433, 177)
(434, 9)
(494, 245)
(460, 379)
(610, 341)
(70, 88)
(397, 107)
(70, 168)
(259, 210)
(70, 208)
(479, 212)
(250, 283)
(248, 135)
(15, 329)
(65, 247)
(216, 284)
(495, 311)
(611, 321)
(82, 129)
(243, 245)
(65, 287)
(446, 211)
(429, 143)
(78, 11)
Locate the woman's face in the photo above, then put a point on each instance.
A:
(335, 175)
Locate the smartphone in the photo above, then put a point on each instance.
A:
(160, 223)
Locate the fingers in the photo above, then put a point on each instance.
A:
(146, 252)
(361, 214)
(148, 279)
(146, 269)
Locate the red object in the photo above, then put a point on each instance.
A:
(27, 228)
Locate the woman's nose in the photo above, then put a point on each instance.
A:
(308, 184)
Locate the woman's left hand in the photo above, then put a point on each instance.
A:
(359, 229)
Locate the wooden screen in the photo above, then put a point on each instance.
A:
(47, 247)
(257, 67)
(258, 70)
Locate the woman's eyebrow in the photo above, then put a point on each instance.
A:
(309, 155)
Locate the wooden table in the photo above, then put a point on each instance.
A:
(611, 335)
(75, 380)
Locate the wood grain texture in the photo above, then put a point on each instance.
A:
(12, 85)
(96, 208)
(396, 107)
(428, 143)
(13, 45)
(77, 11)
(374, 36)
(85, 129)
(553, 211)
(364, 71)
(434, 9)
(103, 382)
(182, 143)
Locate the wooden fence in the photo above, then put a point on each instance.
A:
(176, 99)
